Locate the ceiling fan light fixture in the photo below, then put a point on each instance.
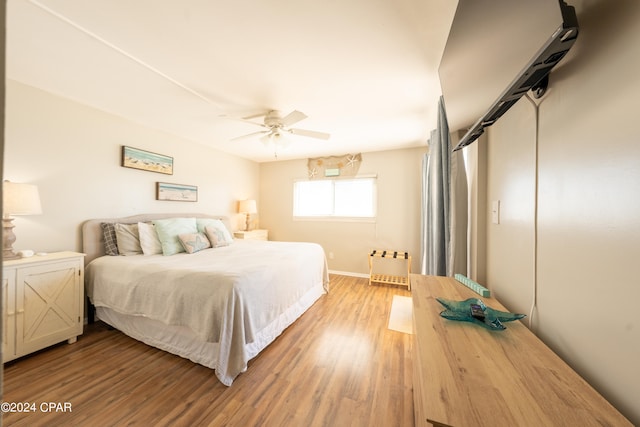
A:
(276, 138)
(276, 127)
(266, 139)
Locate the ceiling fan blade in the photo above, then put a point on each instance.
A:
(310, 133)
(256, 115)
(293, 117)
(243, 120)
(250, 135)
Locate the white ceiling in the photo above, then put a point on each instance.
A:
(364, 71)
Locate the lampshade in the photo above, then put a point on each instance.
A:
(17, 199)
(247, 206)
(20, 199)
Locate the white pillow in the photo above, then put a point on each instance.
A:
(168, 231)
(149, 240)
(203, 223)
(127, 238)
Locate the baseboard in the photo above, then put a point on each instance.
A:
(348, 273)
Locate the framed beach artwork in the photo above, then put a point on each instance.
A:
(146, 160)
(176, 192)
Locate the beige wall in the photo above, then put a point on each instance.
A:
(588, 215)
(72, 152)
(397, 225)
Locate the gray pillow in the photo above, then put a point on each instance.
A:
(110, 241)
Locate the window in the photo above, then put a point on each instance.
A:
(335, 198)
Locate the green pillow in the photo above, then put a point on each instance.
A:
(168, 231)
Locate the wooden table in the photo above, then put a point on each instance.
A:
(465, 375)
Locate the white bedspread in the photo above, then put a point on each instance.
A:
(225, 295)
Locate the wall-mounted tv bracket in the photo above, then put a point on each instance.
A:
(540, 88)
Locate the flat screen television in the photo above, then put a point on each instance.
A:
(497, 50)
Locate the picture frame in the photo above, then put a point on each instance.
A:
(167, 191)
(136, 158)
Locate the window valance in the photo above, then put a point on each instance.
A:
(333, 166)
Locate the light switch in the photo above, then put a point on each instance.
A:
(495, 212)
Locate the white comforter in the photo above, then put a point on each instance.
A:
(226, 295)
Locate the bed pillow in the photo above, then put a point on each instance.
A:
(203, 223)
(194, 242)
(149, 241)
(216, 236)
(128, 240)
(110, 241)
(168, 231)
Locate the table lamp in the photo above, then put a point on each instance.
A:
(17, 199)
(247, 207)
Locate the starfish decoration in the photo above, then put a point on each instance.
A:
(313, 172)
(475, 311)
(351, 160)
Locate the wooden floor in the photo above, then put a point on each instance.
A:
(338, 365)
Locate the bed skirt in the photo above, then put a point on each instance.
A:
(181, 341)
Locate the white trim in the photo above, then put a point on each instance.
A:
(348, 273)
(366, 219)
(369, 175)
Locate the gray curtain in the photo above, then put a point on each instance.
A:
(444, 207)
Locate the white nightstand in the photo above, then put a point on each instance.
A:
(44, 302)
(252, 235)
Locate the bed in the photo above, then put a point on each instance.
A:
(217, 306)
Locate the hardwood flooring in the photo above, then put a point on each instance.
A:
(338, 365)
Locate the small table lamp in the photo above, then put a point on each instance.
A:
(17, 199)
(247, 207)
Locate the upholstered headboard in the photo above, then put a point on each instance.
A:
(93, 238)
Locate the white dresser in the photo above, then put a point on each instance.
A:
(43, 302)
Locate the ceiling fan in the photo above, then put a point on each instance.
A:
(276, 127)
